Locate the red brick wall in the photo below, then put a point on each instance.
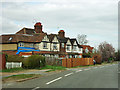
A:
(10, 52)
(2, 61)
(62, 49)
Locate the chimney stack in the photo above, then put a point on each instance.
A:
(38, 27)
(61, 33)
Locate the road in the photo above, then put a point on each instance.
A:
(89, 77)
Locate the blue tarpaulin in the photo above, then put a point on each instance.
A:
(25, 49)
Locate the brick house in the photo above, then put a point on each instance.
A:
(35, 41)
(87, 49)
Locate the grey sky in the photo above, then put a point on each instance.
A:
(97, 19)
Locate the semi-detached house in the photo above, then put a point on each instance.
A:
(29, 41)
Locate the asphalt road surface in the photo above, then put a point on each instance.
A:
(90, 77)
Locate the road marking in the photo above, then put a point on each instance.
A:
(86, 69)
(68, 74)
(78, 71)
(35, 88)
(54, 80)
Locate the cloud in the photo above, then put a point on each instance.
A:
(95, 18)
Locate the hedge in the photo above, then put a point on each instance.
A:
(34, 61)
(14, 58)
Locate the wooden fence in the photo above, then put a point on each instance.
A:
(72, 62)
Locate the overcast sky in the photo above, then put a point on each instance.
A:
(98, 19)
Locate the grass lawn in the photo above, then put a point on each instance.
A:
(53, 68)
(20, 76)
(12, 70)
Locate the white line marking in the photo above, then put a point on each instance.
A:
(54, 80)
(68, 74)
(35, 88)
(78, 71)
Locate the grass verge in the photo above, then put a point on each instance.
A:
(83, 66)
(19, 77)
(53, 68)
(12, 70)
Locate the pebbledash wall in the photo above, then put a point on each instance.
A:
(8, 46)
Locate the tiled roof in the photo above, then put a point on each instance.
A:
(60, 39)
(87, 46)
(14, 38)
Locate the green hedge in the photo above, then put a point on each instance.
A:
(34, 61)
(14, 58)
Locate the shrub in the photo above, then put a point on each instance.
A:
(86, 55)
(97, 58)
(14, 58)
(34, 61)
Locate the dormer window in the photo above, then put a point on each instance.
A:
(10, 38)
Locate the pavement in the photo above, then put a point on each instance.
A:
(102, 76)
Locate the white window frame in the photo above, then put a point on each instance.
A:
(86, 50)
(44, 45)
(63, 45)
(31, 44)
(21, 44)
(75, 48)
(68, 48)
(54, 46)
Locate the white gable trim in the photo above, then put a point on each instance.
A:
(55, 39)
(45, 38)
(75, 43)
(68, 42)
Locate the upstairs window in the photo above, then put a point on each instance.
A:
(21, 44)
(62, 45)
(44, 45)
(68, 48)
(74, 48)
(54, 47)
(86, 50)
(93, 51)
(31, 45)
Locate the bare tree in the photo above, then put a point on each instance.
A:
(82, 39)
(106, 50)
